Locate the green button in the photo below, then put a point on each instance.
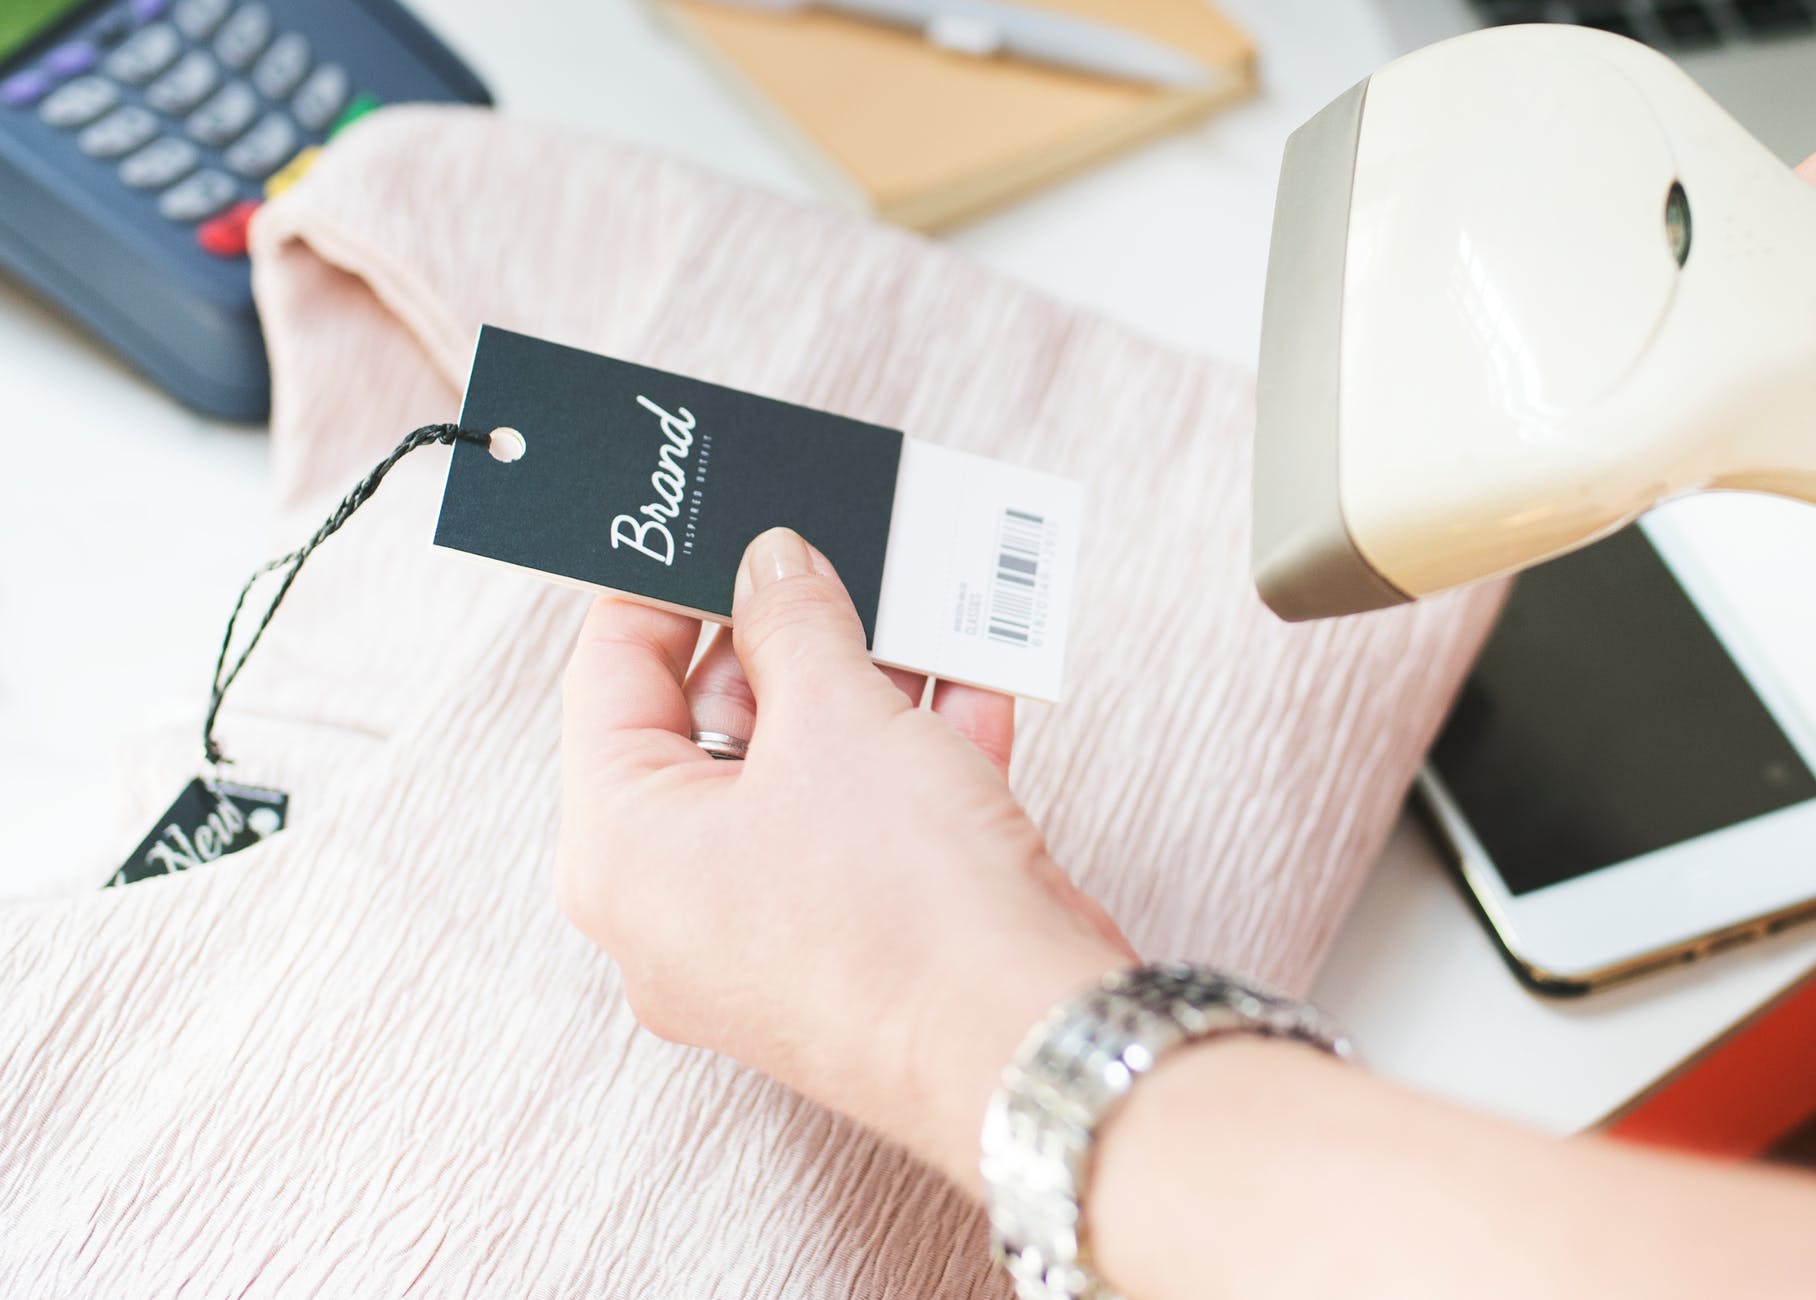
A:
(361, 105)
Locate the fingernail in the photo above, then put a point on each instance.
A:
(778, 553)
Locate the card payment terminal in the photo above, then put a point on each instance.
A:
(137, 138)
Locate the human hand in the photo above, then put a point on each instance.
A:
(860, 908)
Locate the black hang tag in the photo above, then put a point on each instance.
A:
(209, 820)
(651, 484)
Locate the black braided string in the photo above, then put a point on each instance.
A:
(293, 561)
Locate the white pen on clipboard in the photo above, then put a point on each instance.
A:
(993, 28)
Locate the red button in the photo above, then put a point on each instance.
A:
(225, 236)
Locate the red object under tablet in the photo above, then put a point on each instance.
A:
(1743, 1094)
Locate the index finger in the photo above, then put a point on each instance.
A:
(623, 702)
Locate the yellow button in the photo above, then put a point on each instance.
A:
(292, 172)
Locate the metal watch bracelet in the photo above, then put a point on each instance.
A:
(1066, 1079)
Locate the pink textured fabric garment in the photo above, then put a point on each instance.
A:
(368, 1058)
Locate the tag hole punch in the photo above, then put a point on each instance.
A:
(507, 445)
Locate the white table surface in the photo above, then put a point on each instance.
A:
(127, 525)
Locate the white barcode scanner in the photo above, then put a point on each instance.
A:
(1524, 285)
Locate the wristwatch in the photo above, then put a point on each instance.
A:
(1066, 1079)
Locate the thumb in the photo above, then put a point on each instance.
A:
(798, 635)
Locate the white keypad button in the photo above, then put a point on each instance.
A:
(119, 133)
(145, 54)
(199, 197)
(79, 102)
(322, 97)
(191, 81)
(244, 36)
(264, 149)
(198, 19)
(282, 69)
(160, 163)
(224, 118)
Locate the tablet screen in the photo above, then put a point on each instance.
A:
(1606, 720)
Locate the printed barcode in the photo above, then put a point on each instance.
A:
(1012, 595)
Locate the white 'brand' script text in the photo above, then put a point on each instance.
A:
(650, 535)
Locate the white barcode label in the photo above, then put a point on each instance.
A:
(977, 582)
(1017, 606)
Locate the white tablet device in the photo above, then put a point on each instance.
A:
(1626, 781)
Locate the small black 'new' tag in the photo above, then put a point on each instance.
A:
(209, 820)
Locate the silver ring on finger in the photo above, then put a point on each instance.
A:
(721, 744)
